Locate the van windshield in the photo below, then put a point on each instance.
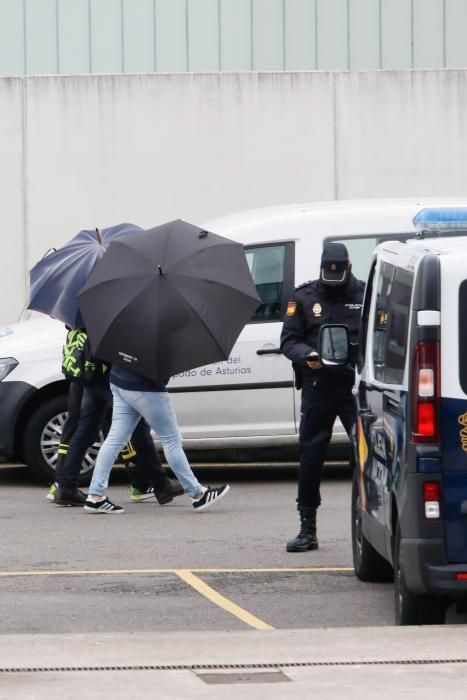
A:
(361, 249)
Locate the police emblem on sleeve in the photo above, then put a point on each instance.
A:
(462, 420)
(291, 307)
(317, 309)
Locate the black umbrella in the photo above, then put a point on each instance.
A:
(168, 299)
(59, 276)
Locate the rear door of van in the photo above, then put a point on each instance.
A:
(454, 404)
(251, 394)
(382, 398)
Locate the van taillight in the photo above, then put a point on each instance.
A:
(425, 395)
(431, 499)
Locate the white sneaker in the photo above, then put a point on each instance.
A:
(210, 496)
(105, 506)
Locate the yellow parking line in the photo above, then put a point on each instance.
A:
(126, 572)
(218, 599)
(278, 570)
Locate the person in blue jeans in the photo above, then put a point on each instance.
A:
(135, 396)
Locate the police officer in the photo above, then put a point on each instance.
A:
(336, 297)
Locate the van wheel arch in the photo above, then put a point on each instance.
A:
(50, 391)
(39, 435)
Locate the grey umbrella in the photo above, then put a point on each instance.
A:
(168, 299)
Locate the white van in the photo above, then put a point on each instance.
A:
(244, 403)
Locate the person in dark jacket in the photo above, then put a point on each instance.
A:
(336, 297)
(88, 408)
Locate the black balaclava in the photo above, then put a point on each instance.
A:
(335, 268)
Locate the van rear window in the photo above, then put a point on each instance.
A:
(463, 336)
(361, 249)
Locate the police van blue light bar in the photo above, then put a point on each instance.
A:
(443, 219)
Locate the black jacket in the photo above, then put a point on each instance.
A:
(312, 305)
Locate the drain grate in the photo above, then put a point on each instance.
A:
(254, 677)
(232, 667)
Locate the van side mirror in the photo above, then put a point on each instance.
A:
(334, 346)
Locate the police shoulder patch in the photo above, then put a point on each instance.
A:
(291, 308)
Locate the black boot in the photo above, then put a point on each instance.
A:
(306, 538)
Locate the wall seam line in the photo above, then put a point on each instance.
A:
(336, 176)
(284, 36)
(187, 37)
(154, 32)
(57, 35)
(122, 33)
(380, 34)
(24, 100)
(445, 52)
(90, 35)
(316, 35)
(25, 40)
(252, 37)
(219, 41)
(349, 57)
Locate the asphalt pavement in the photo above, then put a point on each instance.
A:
(165, 602)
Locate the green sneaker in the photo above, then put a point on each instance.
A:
(137, 495)
(52, 492)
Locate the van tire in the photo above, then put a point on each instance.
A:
(49, 416)
(412, 608)
(369, 565)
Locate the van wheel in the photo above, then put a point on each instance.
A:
(369, 565)
(412, 608)
(41, 439)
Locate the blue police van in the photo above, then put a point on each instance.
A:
(409, 492)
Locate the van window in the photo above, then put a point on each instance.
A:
(380, 322)
(398, 326)
(363, 332)
(361, 249)
(271, 267)
(463, 336)
(391, 323)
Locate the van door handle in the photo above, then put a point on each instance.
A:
(269, 351)
(392, 405)
(367, 415)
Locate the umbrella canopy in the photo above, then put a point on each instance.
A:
(59, 276)
(168, 299)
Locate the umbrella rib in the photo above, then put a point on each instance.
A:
(221, 284)
(117, 309)
(200, 317)
(198, 252)
(127, 244)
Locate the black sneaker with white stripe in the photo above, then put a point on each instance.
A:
(105, 506)
(210, 496)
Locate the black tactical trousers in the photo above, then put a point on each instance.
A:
(321, 404)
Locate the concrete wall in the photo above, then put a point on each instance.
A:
(80, 152)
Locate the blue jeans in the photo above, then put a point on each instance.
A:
(156, 407)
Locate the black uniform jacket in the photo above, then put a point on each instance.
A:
(311, 306)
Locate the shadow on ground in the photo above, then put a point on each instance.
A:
(20, 474)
